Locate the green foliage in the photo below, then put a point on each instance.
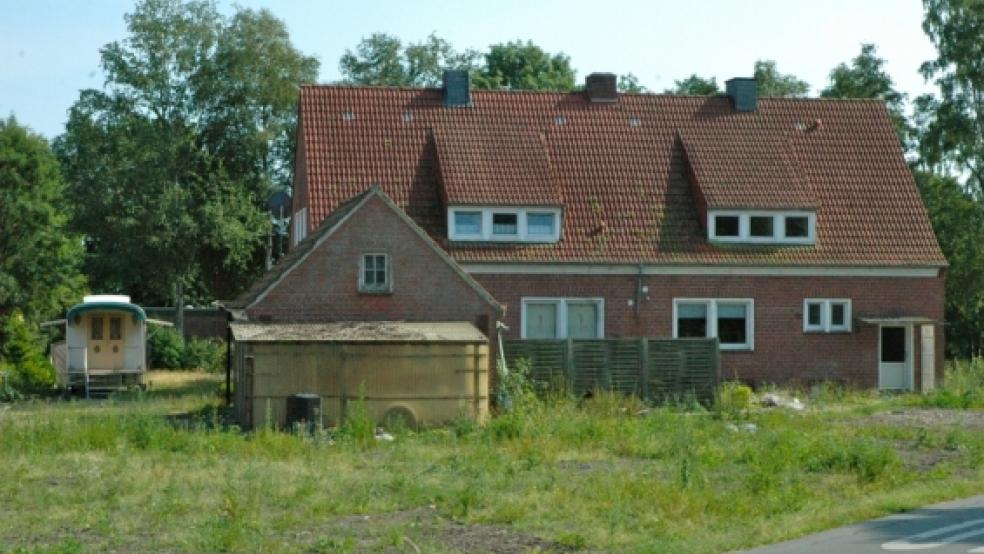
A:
(958, 221)
(357, 425)
(170, 164)
(773, 83)
(630, 83)
(22, 359)
(169, 350)
(519, 65)
(695, 85)
(962, 387)
(733, 398)
(866, 77)
(383, 60)
(39, 257)
(951, 124)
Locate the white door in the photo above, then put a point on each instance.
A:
(894, 358)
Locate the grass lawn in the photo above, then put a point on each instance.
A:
(139, 474)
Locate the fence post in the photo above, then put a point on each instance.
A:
(644, 368)
(569, 365)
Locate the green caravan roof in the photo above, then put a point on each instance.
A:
(106, 306)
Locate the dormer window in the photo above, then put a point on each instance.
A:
(507, 224)
(761, 227)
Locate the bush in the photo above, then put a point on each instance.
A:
(168, 350)
(734, 398)
(27, 370)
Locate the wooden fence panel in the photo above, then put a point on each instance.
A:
(655, 369)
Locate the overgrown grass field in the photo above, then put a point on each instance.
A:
(606, 474)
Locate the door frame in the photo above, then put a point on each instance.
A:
(909, 355)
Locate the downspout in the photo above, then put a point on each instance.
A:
(638, 294)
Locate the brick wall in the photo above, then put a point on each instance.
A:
(203, 323)
(325, 286)
(783, 352)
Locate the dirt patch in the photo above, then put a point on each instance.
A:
(933, 417)
(423, 529)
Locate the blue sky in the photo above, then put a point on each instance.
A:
(49, 49)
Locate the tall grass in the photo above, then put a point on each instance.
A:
(607, 473)
(962, 387)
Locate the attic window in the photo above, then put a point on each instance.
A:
(481, 223)
(348, 115)
(635, 122)
(407, 116)
(761, 227)
(560, 120)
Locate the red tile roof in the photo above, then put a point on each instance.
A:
(620, 171)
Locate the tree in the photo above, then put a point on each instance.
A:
(866, 77)
(630, 83)
(170, 165)
(695, 86)
(524, 66)
(952, 124)
(39, 257)
(773, 83)
(381, 59)
(958, 221)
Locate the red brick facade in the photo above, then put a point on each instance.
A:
(324, 286)
(783, 353)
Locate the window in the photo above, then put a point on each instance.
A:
(115, 328)
(797, 226)
(480, 223)
(505, 224)
(822, 315)
(540, 224)
(375, 273)
(468, 223)
(761, 227)
(730, 320)
(559, 318)
(96, 328)
(299, 225)
(727, 226)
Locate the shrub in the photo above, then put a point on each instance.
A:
(734, 398)
(26, 368)
(202, 354)
(166, 348)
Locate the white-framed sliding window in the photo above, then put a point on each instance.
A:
(731, 320)
(560, 318)
(826, 315)
(762, 227)
(508, 224)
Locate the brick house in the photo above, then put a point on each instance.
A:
(791, 229)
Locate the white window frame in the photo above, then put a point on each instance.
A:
(299, 227)
(374, 289)
(826, 326)
(778, 226)
(712, 320)
(561, 313)
(486, 233)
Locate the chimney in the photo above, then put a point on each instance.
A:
(456, 88)
(601, 87)
(743, 92)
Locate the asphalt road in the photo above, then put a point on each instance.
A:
(946, 528)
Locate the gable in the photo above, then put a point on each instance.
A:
(319, 281)
(620, 171)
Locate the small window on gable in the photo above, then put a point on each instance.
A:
(540, 224)
(761, 226)
(468, 223)
(375, 275)
(505, 224)
(727, 226)
(821, 315)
